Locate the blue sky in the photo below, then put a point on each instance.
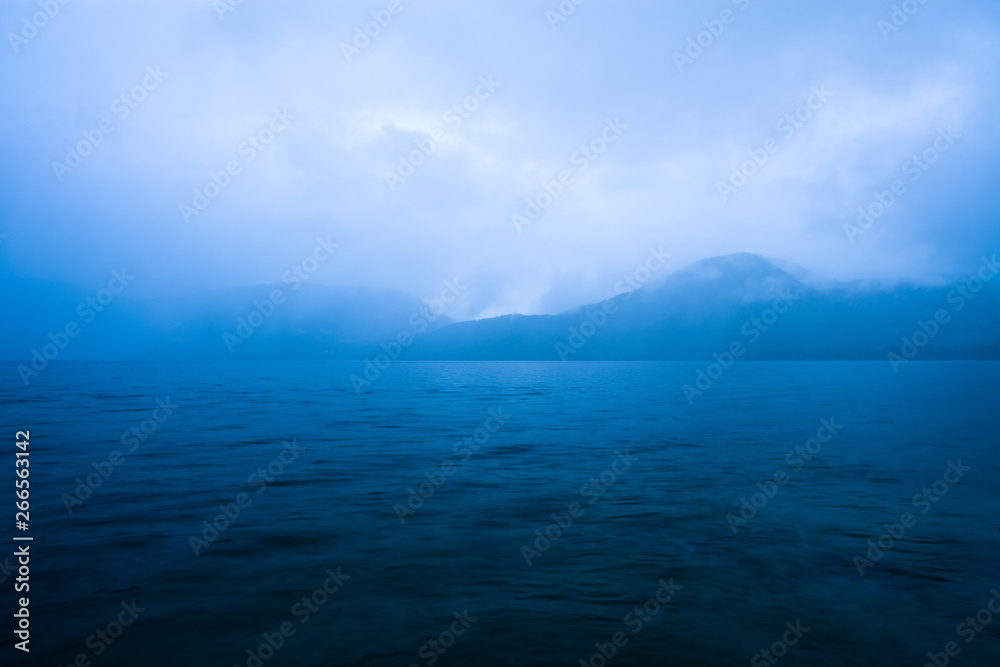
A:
(329, 127)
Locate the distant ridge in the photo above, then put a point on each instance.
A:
(689, 315)
(702, 310)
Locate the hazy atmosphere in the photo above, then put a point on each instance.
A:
(500, 333)
(415, 150)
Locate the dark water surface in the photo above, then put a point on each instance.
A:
(672, 472)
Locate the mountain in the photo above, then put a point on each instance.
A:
(743, 299)
(740, 300)
(263, 321)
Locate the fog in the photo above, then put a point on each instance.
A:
(534, 155)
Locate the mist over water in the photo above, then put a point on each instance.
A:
(545, 332)
(208, 145)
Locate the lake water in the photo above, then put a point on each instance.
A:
(327, 485)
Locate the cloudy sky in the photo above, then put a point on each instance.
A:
(619, 99)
